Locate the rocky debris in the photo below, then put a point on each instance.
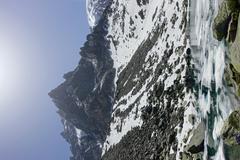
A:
(156, 137)
(85, 99)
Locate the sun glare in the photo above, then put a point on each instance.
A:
(16, 62)
(10, 73)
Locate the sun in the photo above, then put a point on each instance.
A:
(6, 70)
(10, 73)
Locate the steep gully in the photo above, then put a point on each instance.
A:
(214, 101)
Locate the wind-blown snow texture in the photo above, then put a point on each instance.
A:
(144, 88)
(95, 9)
(150, 34)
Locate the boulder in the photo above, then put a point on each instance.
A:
(196, 143)
(231, 129)
(234, 49)
(223, 18)
(231, 135)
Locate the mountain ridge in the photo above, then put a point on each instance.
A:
(151, 84)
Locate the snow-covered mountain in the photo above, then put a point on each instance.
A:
(157, 79)
(95, 9)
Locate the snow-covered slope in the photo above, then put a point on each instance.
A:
(150, 84)
(95, 9)
(144, 36)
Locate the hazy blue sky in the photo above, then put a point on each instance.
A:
(39, 42)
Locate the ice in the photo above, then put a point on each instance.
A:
(213, 101)
(220, 152)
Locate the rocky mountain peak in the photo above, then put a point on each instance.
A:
(154, 82)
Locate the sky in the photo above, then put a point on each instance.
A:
(39, 42)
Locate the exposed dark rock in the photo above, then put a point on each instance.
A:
(142, 2)
(237, 137)
(197, 149)
(141, 14)
(230, 134)
(196, 144)
(227, 26)
(226, 19)
(85, 99)
(134, 68)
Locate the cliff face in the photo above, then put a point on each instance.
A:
(151, 83)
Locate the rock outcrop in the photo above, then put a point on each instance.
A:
(227, 26)
(231, 136)
(225, 22)
(86, 97)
